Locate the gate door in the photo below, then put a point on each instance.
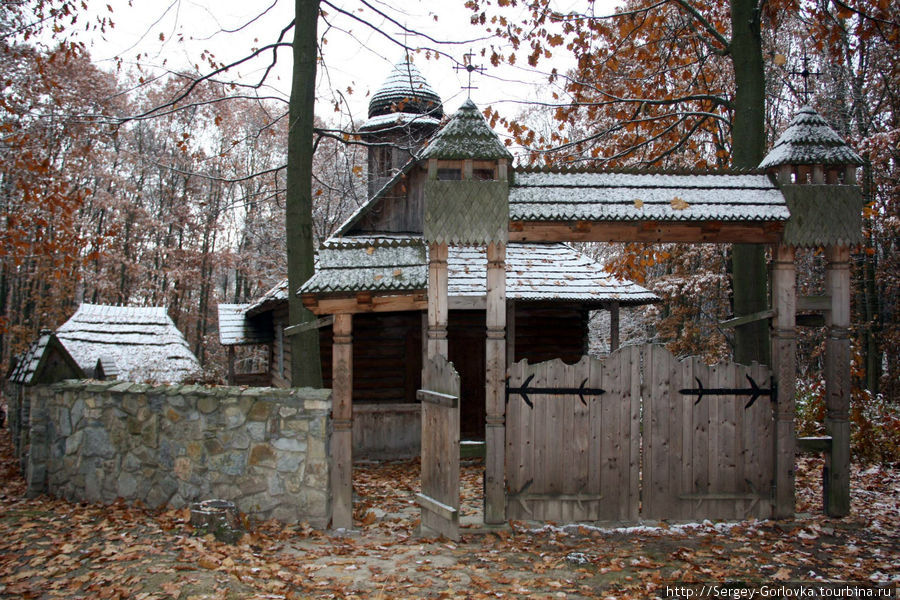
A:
(708, 439)
(572, 439)
(439, 499)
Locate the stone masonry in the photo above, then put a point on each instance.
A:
(265, 449)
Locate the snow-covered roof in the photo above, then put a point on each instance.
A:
(28, 365)
(539, 195)
(808, 140)
(466, 136)
(399, 120)
(542, 271)
(142, 341)
(235, 329)
(534, 271)
(405, 91)
(275, 295)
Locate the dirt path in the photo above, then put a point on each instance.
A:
(53, 549)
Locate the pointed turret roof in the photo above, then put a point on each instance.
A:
(466, 136)
(809, 140)
(404, 97)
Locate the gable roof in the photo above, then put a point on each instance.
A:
(580, 195)
(143, 342)
(809, 140)
(31, 364)
(466, 136)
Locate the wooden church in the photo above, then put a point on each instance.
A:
(376, 266)
(454, 281)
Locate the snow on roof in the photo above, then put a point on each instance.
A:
(808, 140)
(235, 329)
(466, 136)
(542, 271)
(406, 91)
(612, 196)
(275, 295)
(398, 120)
(534, 271)
(29, 364)
(142, 341)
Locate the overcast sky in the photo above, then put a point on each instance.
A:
(174, 33)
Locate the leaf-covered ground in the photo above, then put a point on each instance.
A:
(54, 549)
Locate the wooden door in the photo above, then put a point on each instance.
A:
(572, 439)
(439, 498)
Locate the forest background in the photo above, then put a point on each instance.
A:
(131, 185)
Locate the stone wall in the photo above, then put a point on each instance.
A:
(265, 449)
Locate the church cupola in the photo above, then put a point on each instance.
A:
(403, 113)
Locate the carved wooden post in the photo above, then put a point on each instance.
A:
(342, 418)
(784, 357)
(437, 300)
(837, 382)
(495, 375)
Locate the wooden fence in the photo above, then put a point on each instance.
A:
(639, 435)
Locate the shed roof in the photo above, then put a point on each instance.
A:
(277, 294)
(577, 195)
(808, 140)
(235, 329)
(466, 136)
(143, 342)
(534, 271)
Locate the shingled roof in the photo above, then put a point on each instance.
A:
(405, 97)
(809, 140)
(45, 356)
(561, 195)
(143, 342)
(534, 271)
(466, 136)
(236, 329)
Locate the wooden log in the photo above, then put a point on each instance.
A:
(495, 376)
(342, 414)
(837, 382)
(784, 357)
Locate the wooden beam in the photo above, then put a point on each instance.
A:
(814, 303)
(814, 445)
(437, 301)
(336, 305)
(752, 318)
(466, 302)
(342, 422)
(613, 327)
(837, 381)
(437, 398)
(317, 324)
(784, 367)
(646, 231)
(495, 377)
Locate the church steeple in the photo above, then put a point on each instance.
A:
(403, 113)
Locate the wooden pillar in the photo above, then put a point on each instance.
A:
(837, 381)
(230, 365)
(495, 397)
(510, 332)
(437, 300)
(342, 419)
(613, 327)
(784, 360)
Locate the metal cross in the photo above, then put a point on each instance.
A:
(805, 74)
(469, 68)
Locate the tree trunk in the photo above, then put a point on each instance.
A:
(306, 369)
(750, 274)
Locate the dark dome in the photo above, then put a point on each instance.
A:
(405, 91)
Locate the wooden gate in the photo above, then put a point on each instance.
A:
(638, 435)
(572, 432)
(439, 499)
